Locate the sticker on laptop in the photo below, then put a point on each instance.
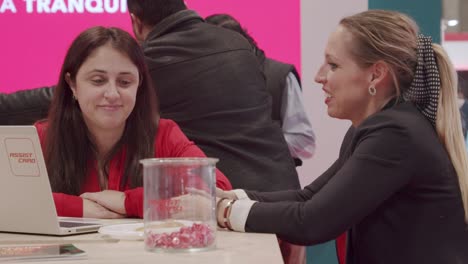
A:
(22, 157)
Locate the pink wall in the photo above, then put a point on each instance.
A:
(34, 43)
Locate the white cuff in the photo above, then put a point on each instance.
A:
(239, 212)
(241, 194)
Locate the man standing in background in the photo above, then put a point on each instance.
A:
(209, 81)
(283, 83)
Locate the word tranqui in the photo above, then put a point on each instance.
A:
(66, 6)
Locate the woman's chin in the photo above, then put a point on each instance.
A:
(331, 113)
(334, 114)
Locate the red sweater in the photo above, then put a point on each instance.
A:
(169, 142)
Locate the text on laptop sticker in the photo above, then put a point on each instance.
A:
(22, 156)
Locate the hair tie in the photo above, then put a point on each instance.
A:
(425, 87)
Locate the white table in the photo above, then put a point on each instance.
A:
(232, 247)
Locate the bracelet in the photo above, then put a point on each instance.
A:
(217, 208)
(227, 214)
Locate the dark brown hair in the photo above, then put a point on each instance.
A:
(69, 148)
(229, 22)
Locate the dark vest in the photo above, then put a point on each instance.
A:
(275, 74)
(210, 82)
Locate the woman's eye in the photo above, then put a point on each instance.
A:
(125, 83)
(98, 81)
(333, 66)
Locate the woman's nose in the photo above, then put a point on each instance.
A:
(111, 92)
(321, 74)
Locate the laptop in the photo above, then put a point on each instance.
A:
(26, 201)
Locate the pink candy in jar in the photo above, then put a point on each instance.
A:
(194, 236)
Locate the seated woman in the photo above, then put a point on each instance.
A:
(399, 187)
(103, 120)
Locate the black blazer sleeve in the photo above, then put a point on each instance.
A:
(311, 189)
(295, 195)
(374, 170)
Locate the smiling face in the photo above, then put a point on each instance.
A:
(345, 83)
(105, 87)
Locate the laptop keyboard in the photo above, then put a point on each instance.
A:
(74, 224)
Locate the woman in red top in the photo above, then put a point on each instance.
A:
(103, 119)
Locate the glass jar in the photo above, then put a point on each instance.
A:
(179, 204)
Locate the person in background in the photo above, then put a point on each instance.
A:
(287, 109)
(103, 120)
(400, 184)
(283, 83)
(210, 83)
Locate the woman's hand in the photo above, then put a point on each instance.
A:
(111, 200)
(225, 194)
(93, 210)
(193, 206)
(223, 198)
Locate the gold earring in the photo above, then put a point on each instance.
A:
(372, 90)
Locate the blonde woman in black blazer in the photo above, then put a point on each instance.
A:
(399, 186)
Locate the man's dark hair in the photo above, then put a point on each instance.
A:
(229, 22)
(151, 12)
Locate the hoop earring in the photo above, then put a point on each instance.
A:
(372, 90)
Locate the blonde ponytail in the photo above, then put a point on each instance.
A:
(448, 124)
